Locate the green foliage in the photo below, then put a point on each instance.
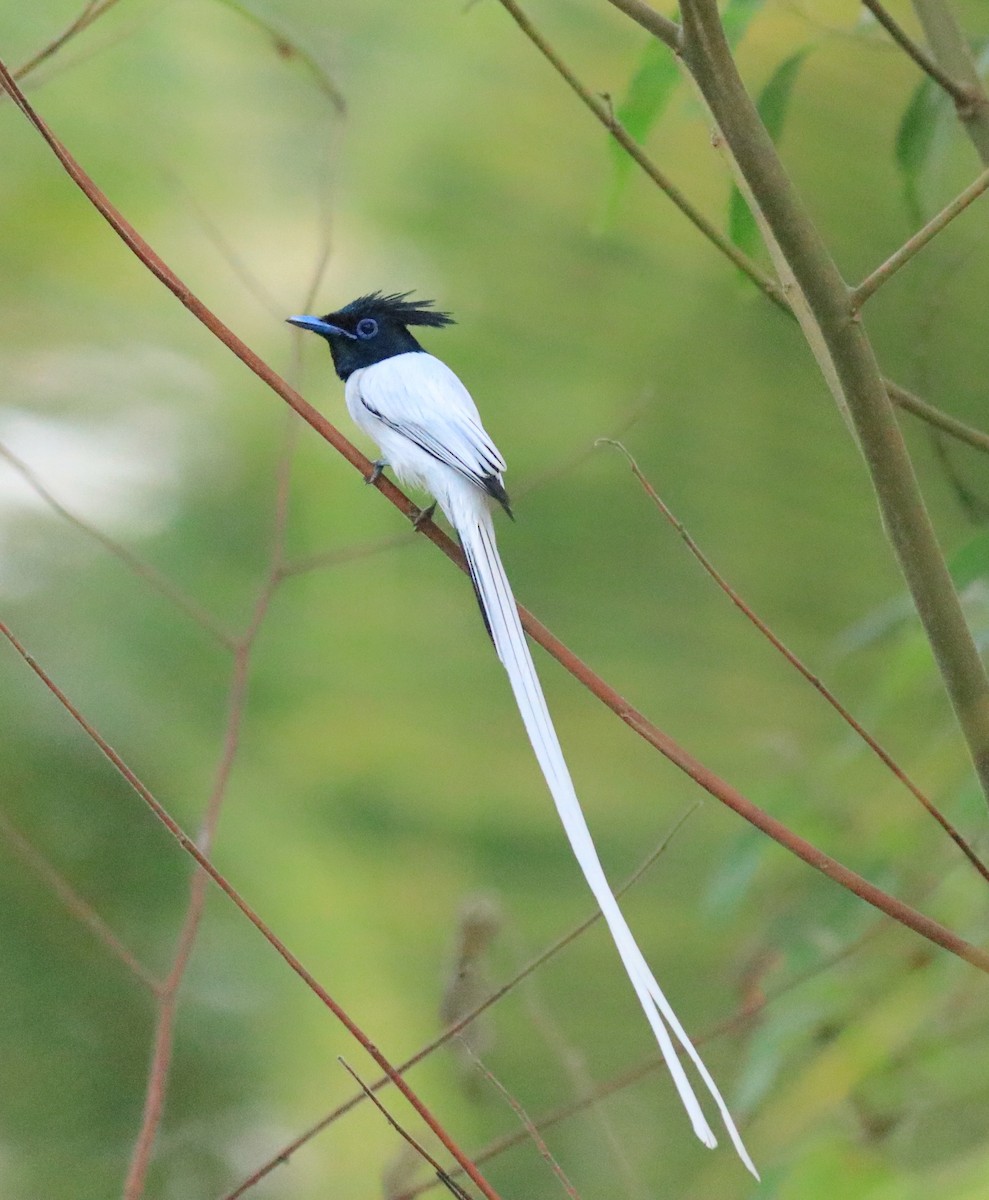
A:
(380, 773)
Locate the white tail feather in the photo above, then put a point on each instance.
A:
(498, 602)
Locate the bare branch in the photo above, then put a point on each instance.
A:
(920, 239)
(907, 523)
(958, 92)
(645, 15)
(190, 847)
(818, 684)
(286, 1152)
(74, 904)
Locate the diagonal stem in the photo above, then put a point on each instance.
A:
(957, 91)
(920, 239)
(907, 523)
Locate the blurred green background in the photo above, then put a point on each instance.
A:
(382, 777)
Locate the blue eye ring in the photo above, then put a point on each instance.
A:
(366, 328)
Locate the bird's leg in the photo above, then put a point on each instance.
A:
(377, 470)
(424, 515)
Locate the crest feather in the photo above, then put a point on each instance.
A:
(399, 307)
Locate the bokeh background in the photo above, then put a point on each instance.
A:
(382, 780)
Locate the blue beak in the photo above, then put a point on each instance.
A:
(315, 325)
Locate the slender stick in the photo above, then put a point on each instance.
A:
(190, 847)
(920, 239)
(934, 416)
(285, 1153)
(606, 116)
(957, 91)
(417, 1146)
(661, 741)
(74, 904)
(818, 684)
(907, 523)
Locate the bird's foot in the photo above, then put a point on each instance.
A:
(377, 470)
(424, 515)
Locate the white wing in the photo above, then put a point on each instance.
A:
(420, 399)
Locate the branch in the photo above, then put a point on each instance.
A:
(920, 239)
(144, 571)
(818, 684)
(905, 517)
(75, 905)
(958, 92)
(645, 15)
(458, 1026)
(950, 50)
(606, 116)
(661, 741)
(157, 1081)
(190, 847)
(934, 416)
(767, 286)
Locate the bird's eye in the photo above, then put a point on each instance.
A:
(367, 327)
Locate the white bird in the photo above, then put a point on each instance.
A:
(430, 434)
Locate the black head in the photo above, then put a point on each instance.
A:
(372, 328)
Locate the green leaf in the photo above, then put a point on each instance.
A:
(648, 94)
(915, 140)
(971, 561)
(773, 103)
(737, 17)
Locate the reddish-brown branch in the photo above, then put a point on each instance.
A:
(74, 903)
(458, 1026)
(144, 571)
(661, 741)
(190, 847)
(815, 681)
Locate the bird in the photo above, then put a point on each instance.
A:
(430, 435)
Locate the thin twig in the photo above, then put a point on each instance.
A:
(74, 904)
(815, 681)
(935, 416)
(418, 1147)
(920, 239)
(692, 767)
(157, 1081)
(645, 15)
(606, 116)
(534, 1135)
(90, 12)
(957, 91)
(744, 1014)
(144, 571)
(285, 1153)
(189, 846)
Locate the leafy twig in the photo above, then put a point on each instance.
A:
(950, 50)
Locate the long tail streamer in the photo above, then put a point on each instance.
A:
(501, 612)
